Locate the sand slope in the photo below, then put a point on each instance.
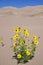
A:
(27, 17)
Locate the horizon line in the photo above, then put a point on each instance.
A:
(21, 7)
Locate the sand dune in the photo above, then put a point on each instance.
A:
(26, 11)
(30, 17)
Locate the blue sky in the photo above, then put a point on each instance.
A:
(20, 3)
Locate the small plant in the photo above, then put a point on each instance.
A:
(23, 47)
(2, 41)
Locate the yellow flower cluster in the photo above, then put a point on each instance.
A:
(16, 36)
(35, 40)
(26, 33)
(21, 42)
(27, 52)
(17, 30)
(23, 47)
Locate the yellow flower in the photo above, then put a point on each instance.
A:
(14, 44)
(17, 30)
(16, 36)
(34, 37)
(19, 56)
(27, 52)
(26, 33)
(25, 30)
(21, 42)
(36, 42)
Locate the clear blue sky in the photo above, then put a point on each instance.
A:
(20, 3)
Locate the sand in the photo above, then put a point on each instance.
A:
(30, 17)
